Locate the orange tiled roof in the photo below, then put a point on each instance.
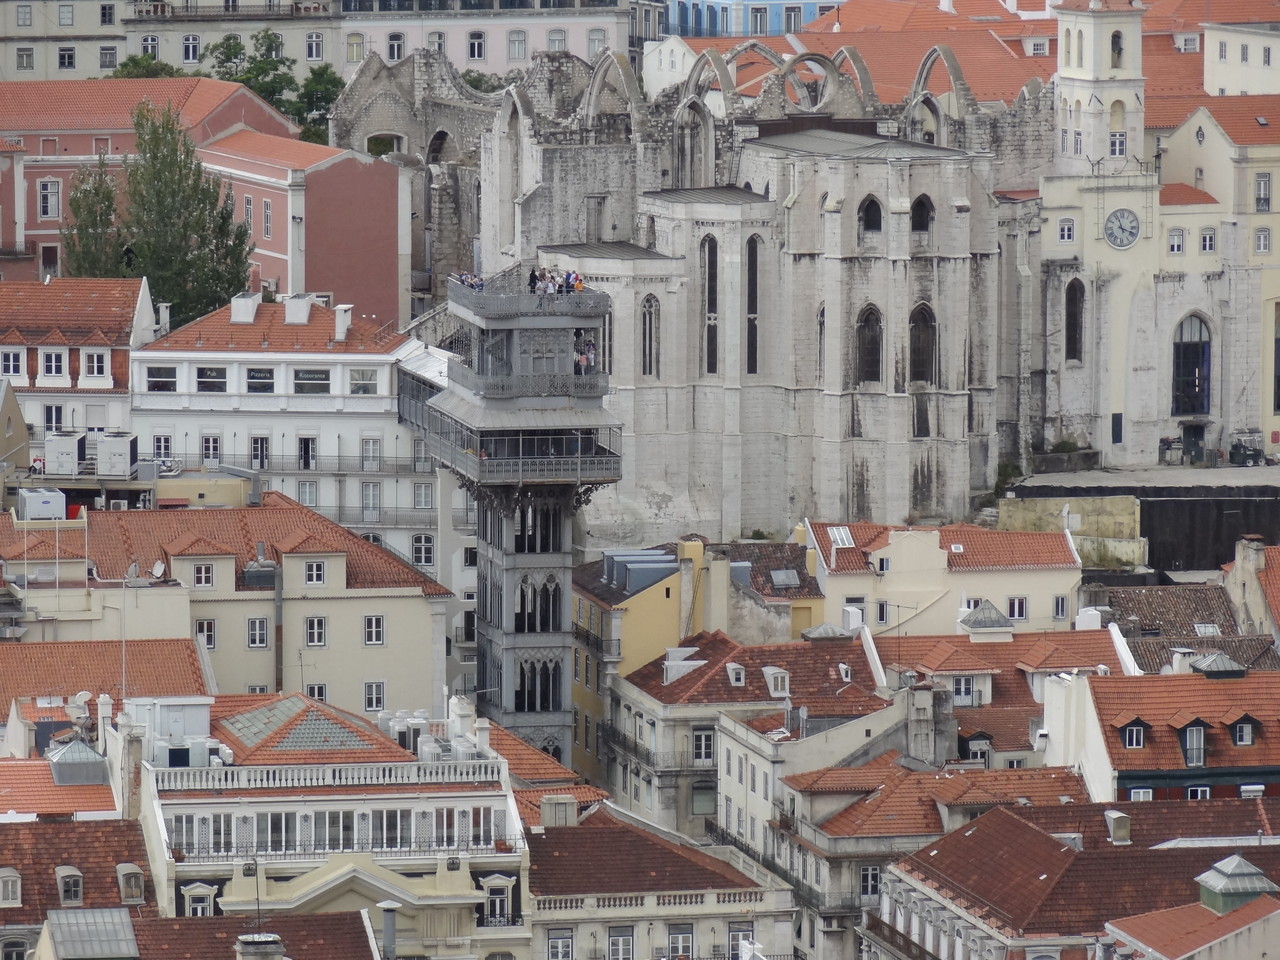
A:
(77, 312)
(63, 668)
(604, 855)
(286, 728)
(26, 786)
(1183, 195)
(980, 548)
(1166, 704)
(1183, 930)
(1247, 120)
(315, 936)
(526, 762)
(281, 151)
(30, 105)
(860, 779)
(813, 667)
(94, 847)
(116, 538)
(529, 802)
(215, 333)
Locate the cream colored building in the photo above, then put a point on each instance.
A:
(1238, 58)
(922, 580)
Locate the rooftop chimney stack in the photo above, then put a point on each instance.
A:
(1118, 828)
(105, 706)
(259, 946)
(297, 308)
(341, 321)
(244, 307)
(389, 908)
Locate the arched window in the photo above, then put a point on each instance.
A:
(475, 45)
(17, 949)
(870, 218)
(517, 45)
(924, 346)
(315, 46)
(1067, 230)
(1191, 367)
(822, 341)
(1119, 136)
(870, 341)
(374, 538)
(151, 46)
(1117, 48)
(712, 22)
(710, 303)
(650, 336)
(538, 605)
(395, 46)
(435, 41)
(355, 47)
(1079, 52)
(595, 42)
(276, 50)
(556, 40)
(190, 48)
(1074, 333)
(1066, 48)
(1262, 240)
(424, 550)
(921, 215)
(753, 304)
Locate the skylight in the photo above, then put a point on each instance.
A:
(840, 536)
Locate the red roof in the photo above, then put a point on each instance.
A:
(979, 548)
(63, 668)
(1183, 195)
(604, 855)
(1167, 704)
(1247, 120)
(215, 333)
(526, 762)
(30, 105)
(1179, 931)
(79, 312)
(284, 152)
(26, 786)
(316, 936)
(529, 802)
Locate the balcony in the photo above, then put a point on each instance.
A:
(358, 516)
(624, 744)
(19, 251)
(807, 894)
(896, 940)
(273, 464)
(464, 518)
(597, 467)
(425, 847)
(227, 10)
(297, 776)
(529, 384)
(500, 920)
(509, 304)
(650, 904)
(610, 649)
(265, 403)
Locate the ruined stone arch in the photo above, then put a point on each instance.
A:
(861, 75)
(694, 147)
(921, 97)
(513, 125)
(707, 69)
(826, 89)
(625, 85)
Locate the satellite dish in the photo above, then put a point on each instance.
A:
(132, 572)
(157, 569)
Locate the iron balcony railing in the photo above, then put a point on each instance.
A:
(805, 892)
(495, 305)
(278, 464)
(572, 468)
(681, 761)
(500, 920)
(227, 10)
(529, 384)
(896, 940)
(596, 643)
(425, 847)
(18, 252)
(382, 516)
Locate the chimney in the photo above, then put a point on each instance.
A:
(341, 321)
(558, 810)
(1117, 827)
(389, 908)
(259, 946)
(482, 733)
(297, 308)
(1182, 659)
(947, 6)
(244, 307)
(105, 706)
(162, 321)
(1252, 551)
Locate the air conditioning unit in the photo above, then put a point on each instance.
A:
(271, 285)
(717, 949)
(119, 504)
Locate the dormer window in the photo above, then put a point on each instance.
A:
(737, 674)
(1135, 736)
(10, 888)
(778, 681)
(1193, 745)
(314, 573)
(70, 886)
(1242, 733)
(129, 876)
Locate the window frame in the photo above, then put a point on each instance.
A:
(375, 695)
(257, 633)
(1177, 241)
(315, 631)
(375, 630)
(1208, 240)
(206, 633)
(1135, 736)
(202, 575)
(314, 46)
(1067, 230)
(313, 573)
(191, 48)
(476, 45)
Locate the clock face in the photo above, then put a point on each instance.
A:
(1122, 228)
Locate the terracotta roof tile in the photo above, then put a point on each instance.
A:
(1179, 931)
(529, 801)
(768, 557)
(526, 762)
(1183, 195)
(68, 310)
(604, 855)
(979, 547)
(316, 936)
(285, 152)
(26, 786)
(1154, 822)
(1172, 611)
(1239, 118)
(63, 668)
(1008, 728)
(1154, 654)
(31, 105)
(94, 847)
(1168, 703)
(215, 333)
(861, 779)
(814, 675)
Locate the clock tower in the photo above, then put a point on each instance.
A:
(1099, 86)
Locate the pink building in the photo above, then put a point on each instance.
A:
(356, 250)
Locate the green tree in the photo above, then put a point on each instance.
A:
(265, 69)
(319, 92)
(91, 241)
(143, 67)
(178, 228)
(490, 82)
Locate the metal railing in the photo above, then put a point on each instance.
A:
(529, 384)
(629, 745)
(327, 775)
(425, 847)
(227, 10)
(508, 305)
(593, 468)
(804, 891)
(897, 940)
(464, 517)
(596, 643)
(383, 516)
(500, 920)
(26, 249)
(277, 464)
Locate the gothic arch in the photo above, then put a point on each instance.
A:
(826, 90)
(694, 145)
(965, 102)
(860, 73)
(707, 69)
(625, 85)
(513, 126)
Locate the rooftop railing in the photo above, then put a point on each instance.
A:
(529, 384)
(508, 303)
(579, 469)
(428, 846)
(294, 776)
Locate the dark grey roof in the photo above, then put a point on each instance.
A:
(837, 143)
(708, 195)
(985, 616)
(605, 250)
(93, 934)
(1154, 654)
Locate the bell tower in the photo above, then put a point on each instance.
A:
(1099, 85)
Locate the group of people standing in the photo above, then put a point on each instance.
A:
(554, 281)
(472, 281)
